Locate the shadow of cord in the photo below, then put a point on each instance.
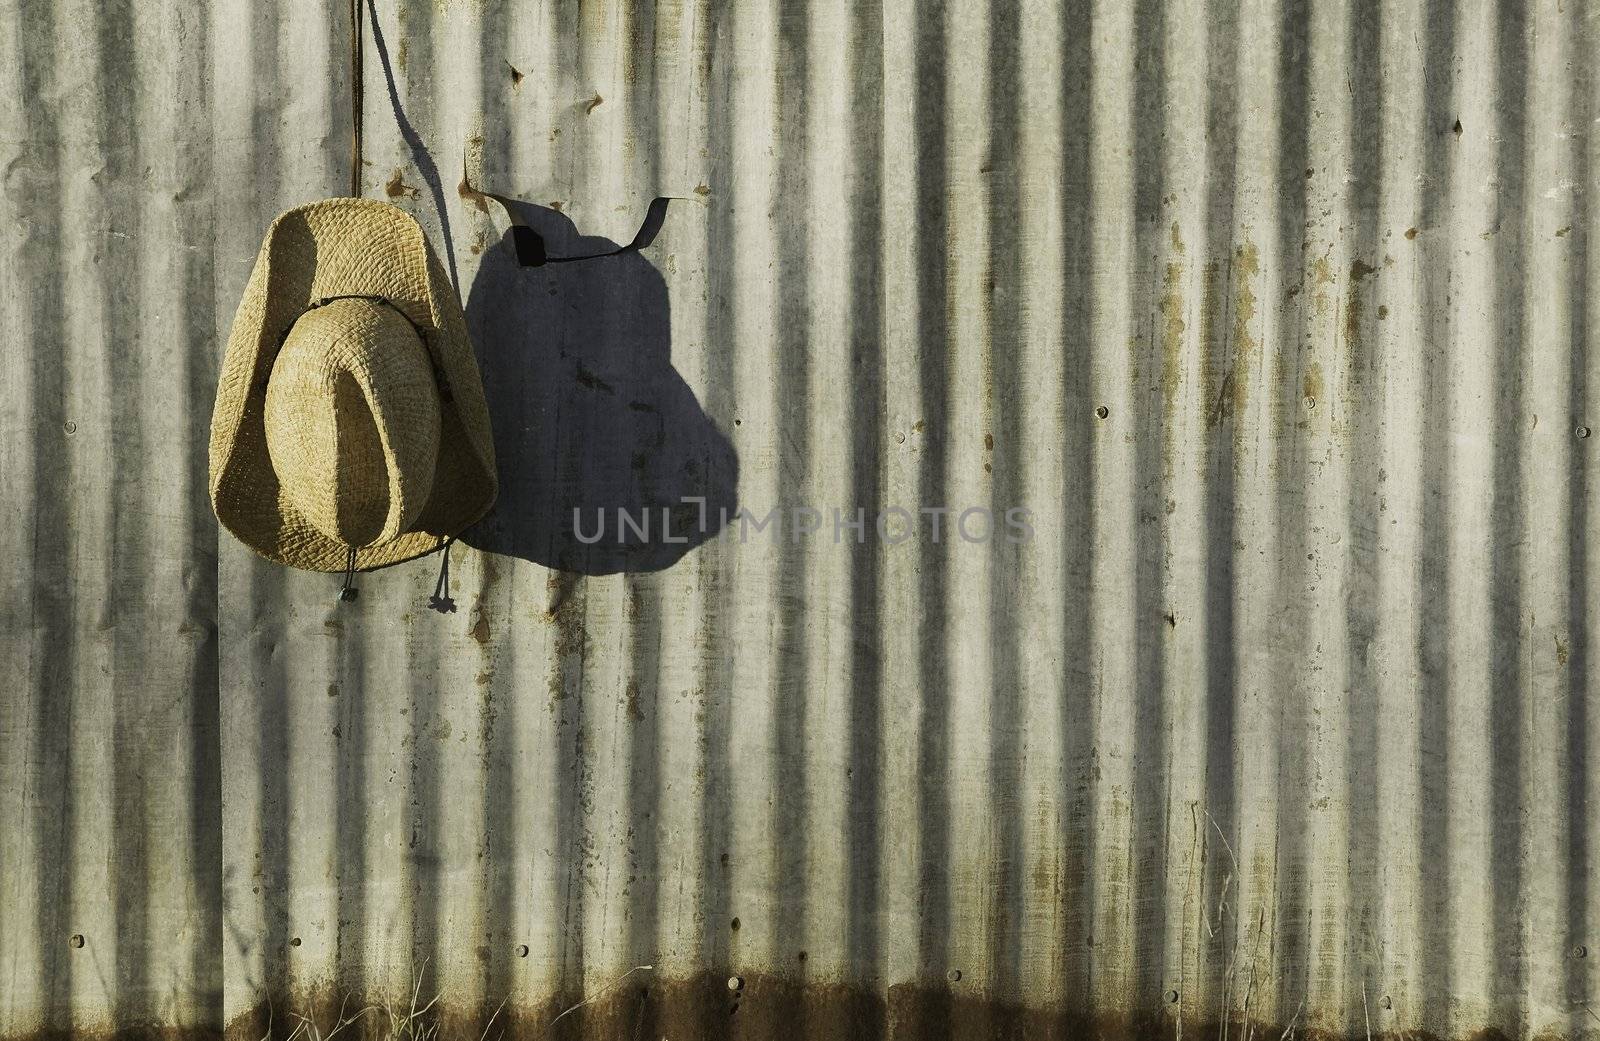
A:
(590, 418)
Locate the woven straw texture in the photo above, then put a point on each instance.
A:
(362, 450)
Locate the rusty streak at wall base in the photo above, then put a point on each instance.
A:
(704, 1007)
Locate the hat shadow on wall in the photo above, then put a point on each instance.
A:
(589, 416)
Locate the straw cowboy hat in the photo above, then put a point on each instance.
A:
(350, 429)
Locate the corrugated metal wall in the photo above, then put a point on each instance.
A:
(1275, 315)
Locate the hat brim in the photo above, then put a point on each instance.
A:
(332, 248)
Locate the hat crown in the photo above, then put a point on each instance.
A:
(352, 420)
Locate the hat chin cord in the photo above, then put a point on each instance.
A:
(440, 601)
(349, 591)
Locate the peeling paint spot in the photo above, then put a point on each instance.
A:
(1411, 233)
(702, 189)
(592, 104)
(516, 76)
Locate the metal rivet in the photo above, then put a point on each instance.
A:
(954, 975)
(1580, 951)
(295, 942)
(1172, 997)
(522, 950)
(77, 940)
(734, 925)
(736, 983)
(1582, 432)
(70, 427)
(1311, 402)
(1102, 412)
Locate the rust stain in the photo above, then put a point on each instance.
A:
(472, 159)
(1561, 651)
(1411, 233)
(631, 696)
(566, 613)
(1172, 330)
(396, 186)
(1560, 232)
(480, 624)
(702, 189)
(472, 195)
(1210, 362)
(1321, 279)
(401, 54)
(1353, 308)
(1311, 385)
(1234, 394)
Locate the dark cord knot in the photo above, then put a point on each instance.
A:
(440, 600)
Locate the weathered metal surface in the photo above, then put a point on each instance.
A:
(1274, 314)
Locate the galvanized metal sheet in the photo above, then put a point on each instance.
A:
(1274, 315)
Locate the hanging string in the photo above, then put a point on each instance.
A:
(355, 96)
(349, 591)
(440, 600)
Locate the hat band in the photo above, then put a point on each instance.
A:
(283, 337)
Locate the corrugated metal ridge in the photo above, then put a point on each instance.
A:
(1274, 314)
